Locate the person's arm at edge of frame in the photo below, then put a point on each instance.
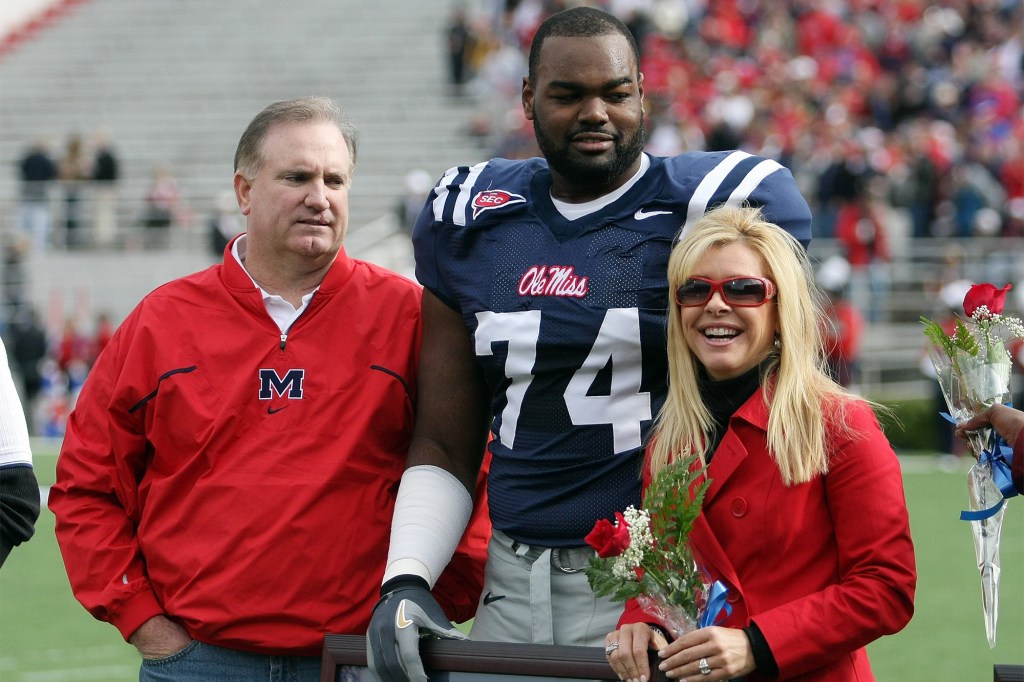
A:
(19, 506)
(435, 498)
(19, 489)
(1008, 423)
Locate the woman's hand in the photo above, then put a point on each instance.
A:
(725, 653)
(627, 650)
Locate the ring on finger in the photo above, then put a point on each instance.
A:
(703, 666)
(612, 646)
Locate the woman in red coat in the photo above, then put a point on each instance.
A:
(805, 520)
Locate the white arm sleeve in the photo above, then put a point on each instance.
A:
(431, 513)
(14, 443)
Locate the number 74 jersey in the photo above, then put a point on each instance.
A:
(568, 320)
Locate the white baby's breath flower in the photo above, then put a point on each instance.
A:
(623, 567)
(1014, 327)
(639, 528)
(981, 314)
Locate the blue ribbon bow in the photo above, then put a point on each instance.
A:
(999, 456)
(716, 605)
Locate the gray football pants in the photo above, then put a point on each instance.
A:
(539, 595)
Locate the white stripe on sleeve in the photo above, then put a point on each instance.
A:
(708, 186)
(752, 180)
(441, 189)
(465, 192)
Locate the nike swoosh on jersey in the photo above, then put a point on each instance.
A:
(642, 214)
(400, 620)
(271, 410)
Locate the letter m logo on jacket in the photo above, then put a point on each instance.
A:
(290, 385)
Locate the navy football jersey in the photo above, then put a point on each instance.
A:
(568, 319)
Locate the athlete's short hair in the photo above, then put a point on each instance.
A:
(578, 22)
(249, 153)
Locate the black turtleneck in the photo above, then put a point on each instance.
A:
(724, 397)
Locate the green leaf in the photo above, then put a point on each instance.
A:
(605, 583)
(964, 340)
(937, 336)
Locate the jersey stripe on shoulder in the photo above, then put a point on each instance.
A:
(709, 185)
(713, 180)
(752, 180)
(453, 192)
(442, 190)
(465, 193)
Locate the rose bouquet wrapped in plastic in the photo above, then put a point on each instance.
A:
(643, 554)
(972, 365)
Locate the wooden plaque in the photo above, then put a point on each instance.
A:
(465, 660)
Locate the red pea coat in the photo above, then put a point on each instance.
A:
(823, 567)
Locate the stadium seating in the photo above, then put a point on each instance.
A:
(175, 83)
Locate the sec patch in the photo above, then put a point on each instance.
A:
(494, 198)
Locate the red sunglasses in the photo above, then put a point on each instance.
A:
(747, 292)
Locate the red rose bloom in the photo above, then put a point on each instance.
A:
(609, 539)
(985, 295)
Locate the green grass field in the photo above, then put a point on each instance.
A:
(46, 636)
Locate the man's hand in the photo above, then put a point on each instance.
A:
(1007, 421)
(159, 637)
(392, 642)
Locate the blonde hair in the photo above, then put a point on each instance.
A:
(794, 373)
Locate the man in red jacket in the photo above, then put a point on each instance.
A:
(225, 488)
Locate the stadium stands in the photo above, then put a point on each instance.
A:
(174, 83)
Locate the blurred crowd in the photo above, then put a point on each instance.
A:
(71, 199)
(49, 368)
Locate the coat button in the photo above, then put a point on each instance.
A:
(733, 596)
(739, 507)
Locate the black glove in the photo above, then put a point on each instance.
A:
(392, 641)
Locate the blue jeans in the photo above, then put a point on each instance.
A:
(200, 662)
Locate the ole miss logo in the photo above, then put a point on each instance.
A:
(553, 280)
(289, 386)
(494, 198)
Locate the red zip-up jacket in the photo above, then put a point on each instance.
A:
(239, 480)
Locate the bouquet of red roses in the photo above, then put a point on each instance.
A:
(972, 365)
(644, 555)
